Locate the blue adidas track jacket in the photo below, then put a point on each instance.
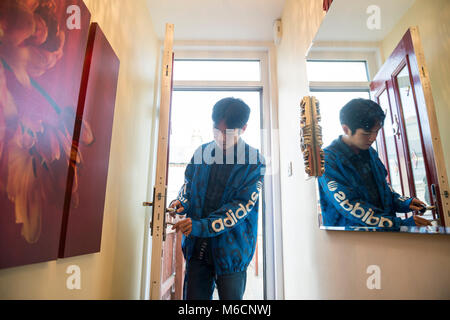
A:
(233, 227)
(344, 197)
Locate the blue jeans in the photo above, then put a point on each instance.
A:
(200, 281)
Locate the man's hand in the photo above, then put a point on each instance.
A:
(417, 205)
(421, 222)
(176, 204)
(184, 225)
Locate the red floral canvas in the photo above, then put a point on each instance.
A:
(83, 213)
(42, 57)
(327, 4)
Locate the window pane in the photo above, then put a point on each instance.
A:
(337, 71)
(192, 123)
(331, 104)
(217, 70)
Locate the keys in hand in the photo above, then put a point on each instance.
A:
(417, 205)
(178, 208)
(180, 223)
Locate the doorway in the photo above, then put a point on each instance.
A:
(200, 79)
(191, 126)
(409, 144)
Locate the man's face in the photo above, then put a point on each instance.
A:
(224, 137)
(362, 139)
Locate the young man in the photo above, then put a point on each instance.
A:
(353, 189)
(220, 199)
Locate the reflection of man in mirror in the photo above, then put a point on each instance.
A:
(353, 189)
(220, 199)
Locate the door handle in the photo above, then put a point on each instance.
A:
(168, 210)
(435, 201)
(150, 204)
(396, 127)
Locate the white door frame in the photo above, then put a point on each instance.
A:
(266, 53)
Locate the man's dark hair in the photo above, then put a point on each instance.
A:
(362, 114)
(234, 111)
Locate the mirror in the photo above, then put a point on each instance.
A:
(371, 49)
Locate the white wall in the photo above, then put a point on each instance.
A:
(115, 272)
(332, 265)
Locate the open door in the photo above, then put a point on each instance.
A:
(410, 144)
(167, 262)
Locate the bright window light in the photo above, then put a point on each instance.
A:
(216, 70)
(331, 104)
(332, 71)
(192, 123)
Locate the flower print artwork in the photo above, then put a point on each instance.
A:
(40, 72)
(32, 43)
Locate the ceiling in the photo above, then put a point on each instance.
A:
(347, 20)
(217, 20)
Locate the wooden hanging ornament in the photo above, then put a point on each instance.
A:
(311, 137)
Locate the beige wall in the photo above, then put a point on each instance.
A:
(115, 273)
(332, 265)
(433, 20)
(301, 19)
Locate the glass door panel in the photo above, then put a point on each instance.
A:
(192, 126)
(413, 135)
(391, 150)
(416, 136)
